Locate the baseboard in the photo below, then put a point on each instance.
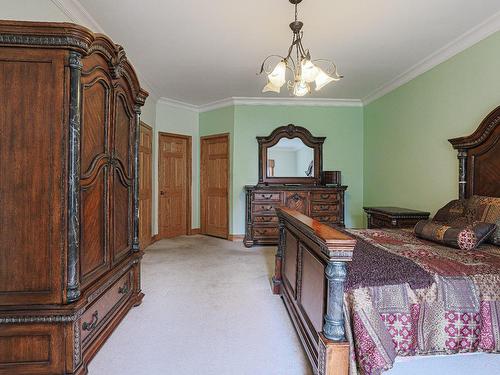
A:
(236, 237)
(195, 231)
(155, 238)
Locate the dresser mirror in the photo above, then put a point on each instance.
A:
(290, 158)
(290, 155)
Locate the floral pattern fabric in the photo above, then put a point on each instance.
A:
(459, 312)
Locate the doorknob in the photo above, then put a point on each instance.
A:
(162, 192)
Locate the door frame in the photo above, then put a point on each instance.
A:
(189, 169)
(142, 123)
(202, 202)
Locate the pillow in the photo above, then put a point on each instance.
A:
(466, 237)
(486, 209)
(451, 211)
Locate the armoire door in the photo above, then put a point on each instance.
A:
(94, 169)
(32, 176)
(145, 184)
(215, 185)
(174, 185)
(121, 177)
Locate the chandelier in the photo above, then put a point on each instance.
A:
(305, 71)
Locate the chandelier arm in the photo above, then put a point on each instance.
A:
(303, 52)
(290, 49)
(332, 69)
(262, 70)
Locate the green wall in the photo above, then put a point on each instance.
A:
(407, 159)
(343, 149)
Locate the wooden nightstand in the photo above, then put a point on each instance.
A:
(393, 217)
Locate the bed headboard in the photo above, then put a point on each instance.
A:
(479, 159)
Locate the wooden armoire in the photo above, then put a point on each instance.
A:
(69, 253)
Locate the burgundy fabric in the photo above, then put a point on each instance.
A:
(373, 266)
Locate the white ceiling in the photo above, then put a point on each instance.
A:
(202, 51)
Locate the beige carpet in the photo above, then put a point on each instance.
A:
(208, 310)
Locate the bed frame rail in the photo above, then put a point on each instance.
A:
(309, 275)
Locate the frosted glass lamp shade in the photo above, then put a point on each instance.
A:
(309, 70)
(271, 87)
(301, 88)
(323, 79)
(277, 76)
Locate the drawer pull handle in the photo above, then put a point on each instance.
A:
(324, 208)
(267, 197)
(325, 196)
(89, 326)
(123, 289)
(264, 208)
(267, 219)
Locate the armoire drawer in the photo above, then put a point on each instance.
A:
(99, 312)
(322, 196)
(266, 219)
(267, 197)
(324, 208)
(263, 208)
(265, 232)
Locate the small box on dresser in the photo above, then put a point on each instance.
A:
(393, 217)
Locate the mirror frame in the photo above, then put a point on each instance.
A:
(291, 131)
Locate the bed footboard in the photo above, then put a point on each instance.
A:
(309, 275)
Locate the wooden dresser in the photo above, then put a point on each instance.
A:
(323, 203)
(69, 251)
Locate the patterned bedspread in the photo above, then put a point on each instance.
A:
(458, 312)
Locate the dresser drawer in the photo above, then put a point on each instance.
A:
(103, 308)
(263, 208)
(327, 219)
(319, 208)
(266, 219)
(265, 232)
(324, 196)
(267, 197)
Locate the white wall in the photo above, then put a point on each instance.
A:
(31, 10)
(172, 119)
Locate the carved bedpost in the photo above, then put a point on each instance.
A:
(279, 258)
(73, 283)
(333, 353)
(333, 328)
(462, 173)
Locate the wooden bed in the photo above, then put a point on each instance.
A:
(311, 260)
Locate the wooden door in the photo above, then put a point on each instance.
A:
(174, 185)
(215, 185)
(145, 184)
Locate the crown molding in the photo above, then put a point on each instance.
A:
(178, 104)
(307, 102)
(78, 14)
(223, 103)
(464, 41)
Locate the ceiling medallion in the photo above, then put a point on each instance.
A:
(305, 71)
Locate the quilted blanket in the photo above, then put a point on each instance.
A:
(458, 312)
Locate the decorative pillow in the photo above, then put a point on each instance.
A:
(466, 237)
(486, 209)
(451, 211)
